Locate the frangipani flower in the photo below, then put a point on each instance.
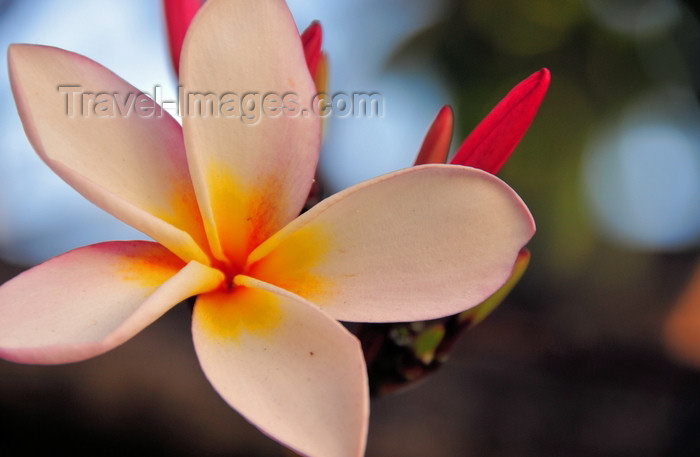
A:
(220, 199)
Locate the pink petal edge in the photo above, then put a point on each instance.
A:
(92, 299)
(131, 165)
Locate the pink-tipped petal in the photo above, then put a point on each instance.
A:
(92, 299)
(492, 141)
(416, 244)
(436, 144)
(311, 39)
(129, 161)
(178, 15)
(252, 168)
(292, 371)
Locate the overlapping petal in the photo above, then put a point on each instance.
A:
(90, 300)
(251, 172)
(125, 160)
(291, 370)
(396, 249)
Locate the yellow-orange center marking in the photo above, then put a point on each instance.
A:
(228, 313)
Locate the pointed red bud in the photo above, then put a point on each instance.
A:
(492, 141)
(436, 144)
(311, 40)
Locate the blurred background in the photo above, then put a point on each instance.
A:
(596, 351)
